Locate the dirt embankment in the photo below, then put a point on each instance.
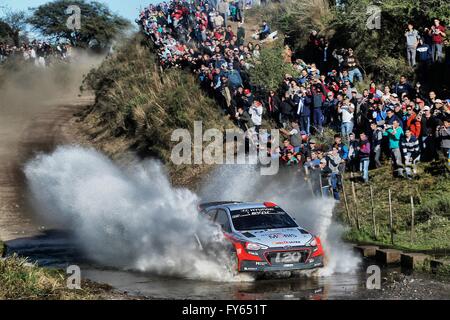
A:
(35, 106)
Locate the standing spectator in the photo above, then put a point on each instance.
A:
(352, 65)
(429, 125)
(256, 111)
(394, 134)
(341, 147)
(411, 153)
(333, 161)
(443, 134)
(330, 110)
(274, 104)
(412, 40)
(437, 33)
(285, 110)
(304, 111)
(244, 119)
(412, 123)
(294, 136)
(347, 110)
(240, 34)
(402, 87)
(224, 9)
(377, 137)
(353, 144)
(424, 52)
(364, 156)
(318, 96)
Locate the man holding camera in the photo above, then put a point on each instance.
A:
(346, 109)
(437, 33)
(394, 133)
(351, 63)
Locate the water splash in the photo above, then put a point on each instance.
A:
(130, 218)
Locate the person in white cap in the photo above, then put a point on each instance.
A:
(256, 112)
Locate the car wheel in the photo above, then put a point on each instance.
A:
(233, 263)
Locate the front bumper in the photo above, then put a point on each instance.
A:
(266, 266)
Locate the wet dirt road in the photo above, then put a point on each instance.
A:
(22, 136)
(55, 249)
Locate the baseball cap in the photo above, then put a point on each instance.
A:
(246, 91)
(394, 95)
(438, 101)
(426, 108)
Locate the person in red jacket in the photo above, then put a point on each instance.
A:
(412, 123)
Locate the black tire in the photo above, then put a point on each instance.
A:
(233, 263)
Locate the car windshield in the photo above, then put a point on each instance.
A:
(261, 218)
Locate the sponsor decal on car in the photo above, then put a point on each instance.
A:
(282, 235)
(286, 242)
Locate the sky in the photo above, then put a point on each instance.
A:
(128, 9)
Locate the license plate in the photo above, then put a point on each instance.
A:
(288, 257)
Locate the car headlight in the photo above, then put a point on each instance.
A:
(254, 246)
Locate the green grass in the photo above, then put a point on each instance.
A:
(429, 192)
(22, 280)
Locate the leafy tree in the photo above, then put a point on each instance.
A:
(382, 52)
(270, 69)
(98, 24)
(5, 32)
(15, 21)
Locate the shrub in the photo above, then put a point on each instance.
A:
(270, 69)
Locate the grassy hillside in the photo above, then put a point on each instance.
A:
(138, 105)
(431, 208)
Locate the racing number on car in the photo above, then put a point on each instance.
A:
(288, 257)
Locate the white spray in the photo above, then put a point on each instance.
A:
(289, 190)
(133, 218)
(129, 218)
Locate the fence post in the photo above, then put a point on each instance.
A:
(375, 233)
(356, 206)
(412, 218)
(391, 220)
(321, 184)
(345, 200)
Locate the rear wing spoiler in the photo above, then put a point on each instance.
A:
(206, 205)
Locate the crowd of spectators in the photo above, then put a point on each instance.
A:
(400, 122)
(39, 53)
